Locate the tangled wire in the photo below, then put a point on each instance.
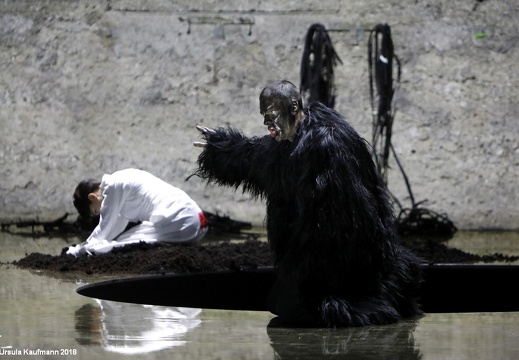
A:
(381, 60)
(319, 59)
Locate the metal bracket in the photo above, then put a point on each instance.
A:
(218, 20)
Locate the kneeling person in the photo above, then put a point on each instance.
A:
(162, 211)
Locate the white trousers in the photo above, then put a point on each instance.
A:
(186, 228)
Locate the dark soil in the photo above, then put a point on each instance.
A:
(167, 258)
(157, 258)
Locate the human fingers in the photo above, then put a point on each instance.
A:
(205, 129)
(199, 143)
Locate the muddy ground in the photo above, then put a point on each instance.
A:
(211, 256)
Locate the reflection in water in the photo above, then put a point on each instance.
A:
(132, 328)
(393, 341)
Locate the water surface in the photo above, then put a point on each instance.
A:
(41, 313)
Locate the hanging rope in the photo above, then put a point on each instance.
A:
(319, 59)
(381, 61)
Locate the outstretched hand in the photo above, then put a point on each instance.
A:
(204, 130)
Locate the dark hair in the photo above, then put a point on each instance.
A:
(81, 201)
(285, 91)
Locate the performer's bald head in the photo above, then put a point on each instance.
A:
(281, 106)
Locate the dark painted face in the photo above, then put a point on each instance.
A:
(280, 122)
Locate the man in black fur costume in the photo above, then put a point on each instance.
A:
(330, 224)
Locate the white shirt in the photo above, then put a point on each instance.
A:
(166, 213)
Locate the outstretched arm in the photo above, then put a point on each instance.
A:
(232, 159)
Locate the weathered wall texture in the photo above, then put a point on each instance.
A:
(90, 87)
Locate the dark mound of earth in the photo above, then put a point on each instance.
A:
(157, 258)
(162, 258)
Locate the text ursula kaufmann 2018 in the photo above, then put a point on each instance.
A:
(37, 352)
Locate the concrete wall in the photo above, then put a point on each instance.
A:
(90, 87)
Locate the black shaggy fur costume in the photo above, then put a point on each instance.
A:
(330, 224)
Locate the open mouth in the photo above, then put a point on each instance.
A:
(273, 131)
